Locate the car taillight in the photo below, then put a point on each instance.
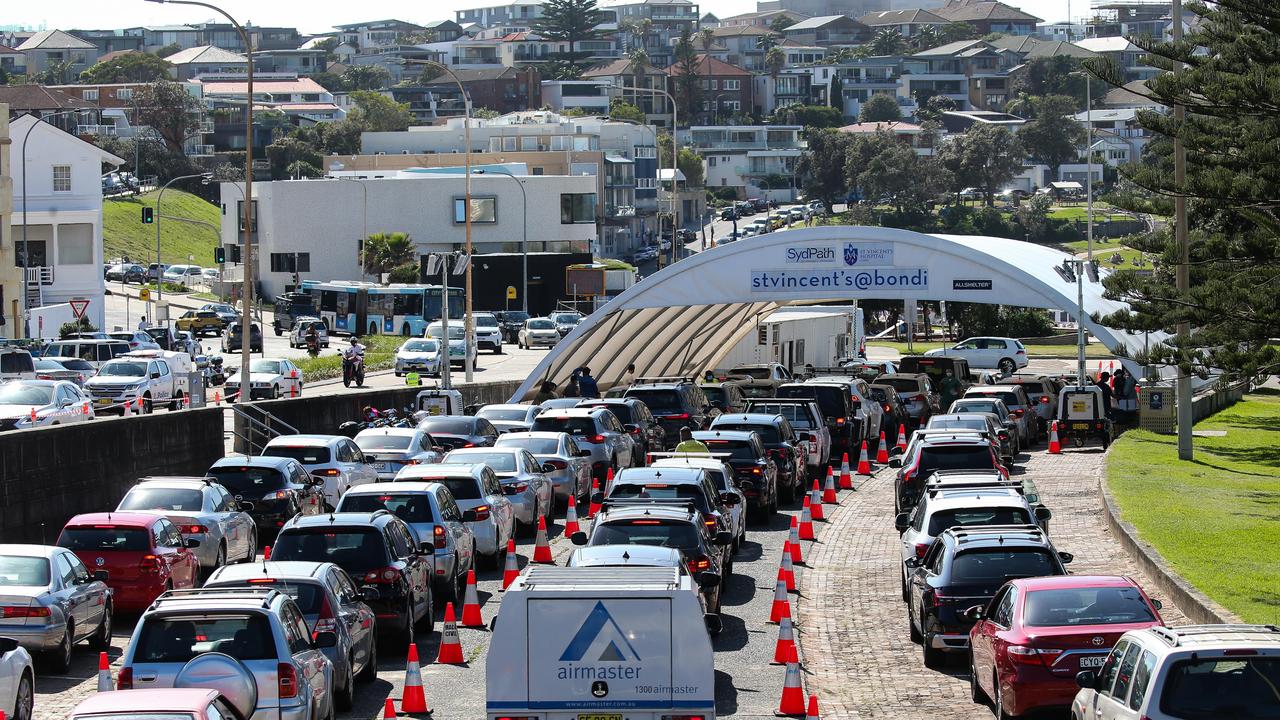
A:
(921, 549)
(839, 421)
(124, 678)
(277, 495)
(438, 532)
(514, 488)
(25, 612)
(193, 529)
(150, 565)
(756, 471)
(286, 681)
(677, 416)
(43, 376)
(597, 439)
(711, 522)
(696, 565)
(558, 464)
(1044, 398)
(932, 598)
(326, 620)
(1024, 655)
(382, 575)
(482, 512)
(887, 408)
(328, 472)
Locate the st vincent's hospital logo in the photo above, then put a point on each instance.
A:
(600, 640)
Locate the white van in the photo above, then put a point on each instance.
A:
(180, 365)
(606, 642)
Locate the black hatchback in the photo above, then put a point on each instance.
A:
(279, 488)
(460, 431)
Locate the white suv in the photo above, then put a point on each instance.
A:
(1197, 671)
(488, 332)
(334, 458)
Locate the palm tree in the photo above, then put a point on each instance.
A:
(888, 42)
(385, 251)
(927, 38)
(639, 61)
(774, 60)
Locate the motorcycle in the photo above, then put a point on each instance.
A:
(217, 375)
(313, 345)
(353, 370)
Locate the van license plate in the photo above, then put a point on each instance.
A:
(600, 716)
(1079, 426)
(1094, 661)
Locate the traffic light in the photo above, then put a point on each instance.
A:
(148, 215)
(220, 255)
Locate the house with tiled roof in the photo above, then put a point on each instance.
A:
(1129, 57)
(746, 44)
(908, 23)
(727, 90)
(41, 101)
(988, 17)
(908, 133)
(193, 62)
(626, 74)
(56, 49)
(763, 19)
(12, 61)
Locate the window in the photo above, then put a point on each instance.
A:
(732, 84)
(240, 214)
(646, 183)
(577, 208)
(649, 152)
(1112, 664)
(290, 262)
(1141, 679)
(711, 161)
(124, 94)
(75, 244)
(1125, 675)
(90, 94)
(483, 210)
(62, 178)
(509, 144)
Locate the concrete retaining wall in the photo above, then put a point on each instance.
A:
(1224, 397)
(49, 474)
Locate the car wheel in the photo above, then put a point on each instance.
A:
(58, 660)
(221, 559)
(428, 622)
(903, 580)
(913, 633)
(147, 406)
(998, 703)
(275, 392)
(1007, 366)
(933, 657)
(976, 693)
(369, 672)
(344, 698)
(177, 402)
(253, 547)
(101, 640)
(24, 700)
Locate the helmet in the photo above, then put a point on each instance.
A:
(353, 340)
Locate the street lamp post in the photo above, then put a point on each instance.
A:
(336, 167)
(1088, 108)
(524, 242)
(246, 323)
(159, 274)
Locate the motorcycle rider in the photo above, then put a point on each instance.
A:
(354, 350)
(313, 340)
(353, 362)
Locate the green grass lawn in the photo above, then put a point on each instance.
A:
(1215, 518)
(1101, 213)
(1093, 350)
(1104, 249)
(124, 234)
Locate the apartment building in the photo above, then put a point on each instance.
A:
(755, 160)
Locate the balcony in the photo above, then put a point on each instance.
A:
(199, 150)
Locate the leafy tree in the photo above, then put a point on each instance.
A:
(620, 109)
(821, 167)
(379, 113)
(931, 110)
(1054, 136)
(1033, 215)
(168, 50)
(284, 153)
(926, 38)
(984, 156)
(774, 60)
(880, 108)
(887, 170)
(780, 23)
(168, 109)
(79, 325)
(484, 113)
(56, 72)
(301, 169)
(970, 319)
(689, 162)
(334, 138)
(688, 85)
(406, 273)
(559, 69)
(888, 42)
(386, 250)
(332, 82)
(953, 32)
(570, 21)
(366, 77)
(810, 116)
(636, 29)
(328, 45)
(134, 67)
(1056, 75)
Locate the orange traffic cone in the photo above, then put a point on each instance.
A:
(797, 556)
(792, 694)
(389, 712)
(450, 645)
(864, 464)
(786, 570)
(846, 477)
(471, 604)
(1055, 444)
(541, 550)
(512, 570)
(814, 498)
(104, 674)
(571, 517)
(414, 699)
(829, 491)
(806, 520)
(217, 397)
(594, 507)
(781, 605)
(786, 643)
(812, 714)
(882, 453)
(902, 438)
(608, 480)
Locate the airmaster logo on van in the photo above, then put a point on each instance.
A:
(599, 640)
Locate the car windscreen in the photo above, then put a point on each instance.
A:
(970, 405)
(501, 462)
(124, 369)
(907, 386)
(762, 390)
(463, 488)
(142, 498)
(755, 373)
(974, 516)
(955, 457)
(866, 372)
(423, 346)
(535, 445)
(485, 321)
(409, 507)
(768, 433)
(646, 532)
(831, 400)
(566, 319)
(579, 427)
(307, 455)
(271, 367)
(22, 394)
(1085, 606)
(1237, 687)
(1011, 399)
(661, 491)
(979, 424)
(798, 415)
(248, 480)
(380, 441)
(740, 450)
(17, 570)
(76, 364)
(492, 414)
(541, 325)
(447, 425)
(1032, 388)
(309, 596)
(105, 537)
(348, 547)
(660, 402)
(620, 410)
(992, 567)
(167, 639)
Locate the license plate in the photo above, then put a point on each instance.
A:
(600, 716)
(380, 466)
(102, 401)
(1079, 426)
(1093, 661)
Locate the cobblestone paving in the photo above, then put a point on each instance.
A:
(859, 659)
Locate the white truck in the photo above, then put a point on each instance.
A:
(605, 643)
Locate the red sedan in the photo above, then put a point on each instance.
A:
(1027, 645)
(143, 553)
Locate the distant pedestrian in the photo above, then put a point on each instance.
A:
(689, 445)
(587, 384)
(546, 391)
(629, 375)
(1104, 385)
(571, 387)
(142, 324)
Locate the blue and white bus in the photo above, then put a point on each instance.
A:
(363, 308)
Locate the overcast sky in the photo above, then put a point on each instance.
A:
(319, 15)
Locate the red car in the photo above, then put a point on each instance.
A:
(143, 553)
(1027, 645)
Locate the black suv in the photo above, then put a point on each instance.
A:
(781, 442)
(753, 468)
(278, 488)
(726, 397)
(645, 429)
(511, 322)
(931, 451)
(675, 402)
(838, 412)
(965, 567)
(376, 549)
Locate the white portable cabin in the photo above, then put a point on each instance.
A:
(798, 335)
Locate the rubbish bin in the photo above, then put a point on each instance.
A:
(1157, 408)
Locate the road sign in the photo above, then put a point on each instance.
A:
(144, 295)
(511, 292)
(78, 307)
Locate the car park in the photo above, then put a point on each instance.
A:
(538, 332)
(984, 423)
(336, 459)
(475, 488)
(232, 339)
(72, 370)
(262, 628)
(376, 549)
(388, 449)
(566, 465)
(522, 478)
(269, 379)
(459, 431)
(511, 417)
(40, 403)
(868, 412)
(488, 332)
(1007, 355)
(434, 517)
(203, 511)
(1019, 405)
(806, 418)
(597, 430)
(936, 367)
(754, 469)
(933, 450)
(676, 402)
(966, 567)
(302, 327)
(277, 488)
(635, 416)
(789, 451)
(1036, 634)
(143, 554)
(51, 602)
(329, 601)
(867, 370)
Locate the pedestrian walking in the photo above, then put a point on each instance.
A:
(587, 384)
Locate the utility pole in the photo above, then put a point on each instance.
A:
(1183, 274)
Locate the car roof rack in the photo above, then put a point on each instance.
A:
(978, 532)
(935, 490)
(1175, 636)
(660, 379)
(679, 504)
(268, 594)
(691, 455)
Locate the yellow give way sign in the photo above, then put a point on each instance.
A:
(511, 292)
(144, 294)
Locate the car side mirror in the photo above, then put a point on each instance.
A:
(101, 575)
(155, 376)
(468, 516)
(578, 538)
(369, 461)
(902, 522)
(427, 548)
(326, 639)
(973, 613)
(707, 579)
(1066, 557)
(631, 428)
(724, 537)
(912, 562)
(64, 403)
(548, 468)
(370, 593)
(1157, 604)
(1043, 514)
(1087, 680)
(584, 453)
(597, 498)
(191, 543)
(317, 481)
(728, 499)
(895, 462)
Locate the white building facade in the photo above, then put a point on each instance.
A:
(757, 160)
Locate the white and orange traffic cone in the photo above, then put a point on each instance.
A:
(864, 463)
(806, 520)
(797, 556)
(902, 437)
(571, 517)
(846, 477)
(608, 480)
(450, 644)
(786, 570)
(414, 698)
(882, 455)
(542, 550)
(104, 674)
(1055, 443)
(471, 604)
(781, 605)
(815, 503)
(792, 702)
(786, 642)
(512, 569)
(829, 491)
(594, 507)
(812, 713)
(389, 710)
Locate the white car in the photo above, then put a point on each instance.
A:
(334, 458)
(17, 680)
(420, 355)
(457, 335)
(184, 274)
(269, 378)
(208, 274)
(54, 402)
(202, 510)
(999, 353)
(538, 332)
(137, 339)
(392, 448)
(488, 332)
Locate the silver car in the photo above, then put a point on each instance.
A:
(571, 473)
(510, 418)
(51, 601)
(330, 602)
(595, 429)
(475, 487)
(524, 480)
(261, 627)
(201, 509)
(334, 458)
(391, 448)
(298, 334)
(435, 517)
